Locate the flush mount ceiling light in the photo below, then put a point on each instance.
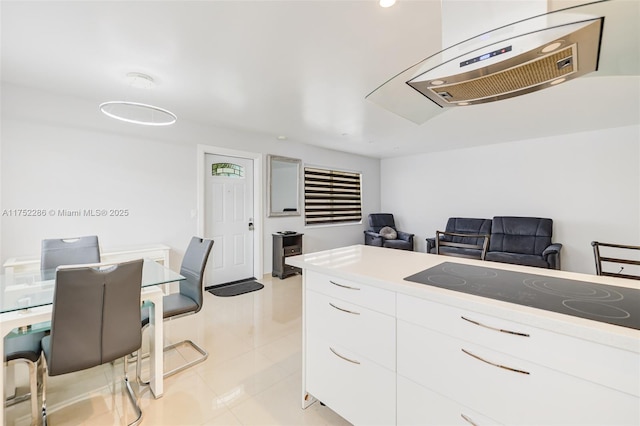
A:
(136, 112)
(387, 3)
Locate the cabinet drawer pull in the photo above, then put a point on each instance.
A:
(343, 357)
(344, 310)
(468, 420)
(344, 286)
(494, 364)
(495, 328)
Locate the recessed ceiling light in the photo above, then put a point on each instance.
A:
(551, 47)
(387, 3)
(437, 82)
(558, 81)
(281, 137)
(464, 103)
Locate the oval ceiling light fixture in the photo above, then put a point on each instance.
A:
(387, 3)
(136, 112)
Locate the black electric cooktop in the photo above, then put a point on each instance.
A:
(598, 302)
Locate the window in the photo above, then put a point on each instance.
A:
(331, 196)
(227, 170)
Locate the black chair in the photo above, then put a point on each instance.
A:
(187, 301)
(463, 237)
(616, 256)
(95, 320)
(68, 251)
(523, 241)
(378, 221)
(25, 348)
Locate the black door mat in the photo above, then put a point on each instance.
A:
(235, 289)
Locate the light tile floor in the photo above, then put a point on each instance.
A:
(252, 375)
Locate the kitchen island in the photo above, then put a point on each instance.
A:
(381, 349)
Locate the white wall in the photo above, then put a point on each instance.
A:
(62, 153)
(588, 183)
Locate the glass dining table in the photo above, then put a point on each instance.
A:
(26, 300)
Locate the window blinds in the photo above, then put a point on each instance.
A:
(331, 196)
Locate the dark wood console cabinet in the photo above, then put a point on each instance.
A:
(285, 245)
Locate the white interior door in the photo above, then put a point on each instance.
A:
(228, 218)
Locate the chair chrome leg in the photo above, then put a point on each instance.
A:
(131, 394)
(32, 395)
(45, 373)
(166, 374)
(33, 385)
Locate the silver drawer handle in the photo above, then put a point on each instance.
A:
(495, 328)
(494, 364)
(343, 357)
(468, 420)
(344, 286)
(344, 310)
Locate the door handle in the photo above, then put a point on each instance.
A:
(250, 224)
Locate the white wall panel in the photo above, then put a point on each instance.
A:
(60, 152)
(588, 183)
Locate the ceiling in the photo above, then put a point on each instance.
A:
(296, 68)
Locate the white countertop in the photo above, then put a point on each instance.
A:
(386, 268)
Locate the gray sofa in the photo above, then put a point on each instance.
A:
(512, 239)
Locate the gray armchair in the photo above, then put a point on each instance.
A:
(372, 237)
(523, 241)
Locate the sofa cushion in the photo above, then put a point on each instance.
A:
(520, 235)
(460, 252)
(377, 221)
(517, 259)
(399, 244)
(388, 233)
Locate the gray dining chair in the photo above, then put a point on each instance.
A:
(95, 320)
(69, 251)
(26, 349)
(187, 301)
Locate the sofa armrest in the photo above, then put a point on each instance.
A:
(552, 255)
(431, 244)
(405, 236)
(372, 239)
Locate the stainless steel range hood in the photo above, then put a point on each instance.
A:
(512, 60)
(536, 61)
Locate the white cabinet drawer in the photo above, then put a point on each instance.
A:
(361, 330)
(418, 405)
(358, 389)
(359, 294)
(566, 354)
(508, 389)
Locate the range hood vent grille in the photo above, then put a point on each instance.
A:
(522, 77)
